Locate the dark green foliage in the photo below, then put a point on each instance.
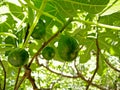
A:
(10, 40)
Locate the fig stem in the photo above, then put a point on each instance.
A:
(39, 13)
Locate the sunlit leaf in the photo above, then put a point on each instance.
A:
(114, 50)
(8, 34)
(111, 19)
(76, 5)
(30, 15)
(115, 7)
(6, 22)
(85, 54)
(16, 10)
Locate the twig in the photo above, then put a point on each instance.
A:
(79, 75)
(49, 40)
(31, 79)
(76, 67)
(4, 74)
(111, 66)
(27, 75)
(17, 78)
(20, 82)
(97, 64)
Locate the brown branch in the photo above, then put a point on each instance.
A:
(49, 40)
(74, 77)
(4, 74)
(75, 65)
(30, 78)
(83, 78)
(111, 66)
(20, 82)
(32, 81)
(27, 75)
(79, 75)
(97, 65)
(17, 78)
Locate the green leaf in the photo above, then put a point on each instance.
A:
(114, 50)
(3, 48)
(111, 19)
(115, 7)
(21, 34)
(93, 6)
(37, 3)
(11, 40)
(16, 10)
(57, 56)
(87, 15)
(64, 8)
(85, 54)
(30, 15)
(8, 34)
(34, 46)
(33, 66)
(0, 39)
(102, 65)
(9, 69)
(70, 8)
(50, 16)
(6, 22)
(103, 45)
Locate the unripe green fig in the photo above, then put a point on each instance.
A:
(18, 57)
(67, 48)
(48, 53)
(39, 30)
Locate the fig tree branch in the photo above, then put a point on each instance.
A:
(79, 75)
(111, 66)
(31, 79)
(27, 75)
(20, 82)
(4, 74)
(83, 78)
(19, 69)
(97, 64)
